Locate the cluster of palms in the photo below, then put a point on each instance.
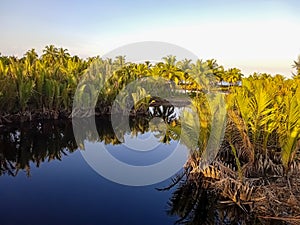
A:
(35, 83)
(255, 172)
(263, 112)
(258, 162)
(47, 84)
(265, 123)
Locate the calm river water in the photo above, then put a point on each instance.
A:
(45, 179)
(48, 177)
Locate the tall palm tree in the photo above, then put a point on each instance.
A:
(173, 74)
(119, 61)
(219, 74)
(170, 60)
(233, 75)
(201, 73)
(50, 54)
(31, 55)
(297, 67)
(63, 55)
(186, 66)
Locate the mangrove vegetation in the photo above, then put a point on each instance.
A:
(255, 174)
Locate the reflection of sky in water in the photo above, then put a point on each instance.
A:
(157, 151)
(70, 192)
(141, 142)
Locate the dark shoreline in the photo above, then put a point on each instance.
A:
(44, 114)
(7, 119)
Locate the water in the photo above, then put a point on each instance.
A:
(45, 180)
(45, 177)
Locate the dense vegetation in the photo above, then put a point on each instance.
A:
(44, 86)
(258, 158)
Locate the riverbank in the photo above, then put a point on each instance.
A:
(46, 114)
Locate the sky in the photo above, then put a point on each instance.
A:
(255, 36)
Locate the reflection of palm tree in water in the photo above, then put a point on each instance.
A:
(35, 143)
(196, 201)
(47, 141)
(162, 109)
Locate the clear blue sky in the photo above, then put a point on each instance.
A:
(254, 36)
